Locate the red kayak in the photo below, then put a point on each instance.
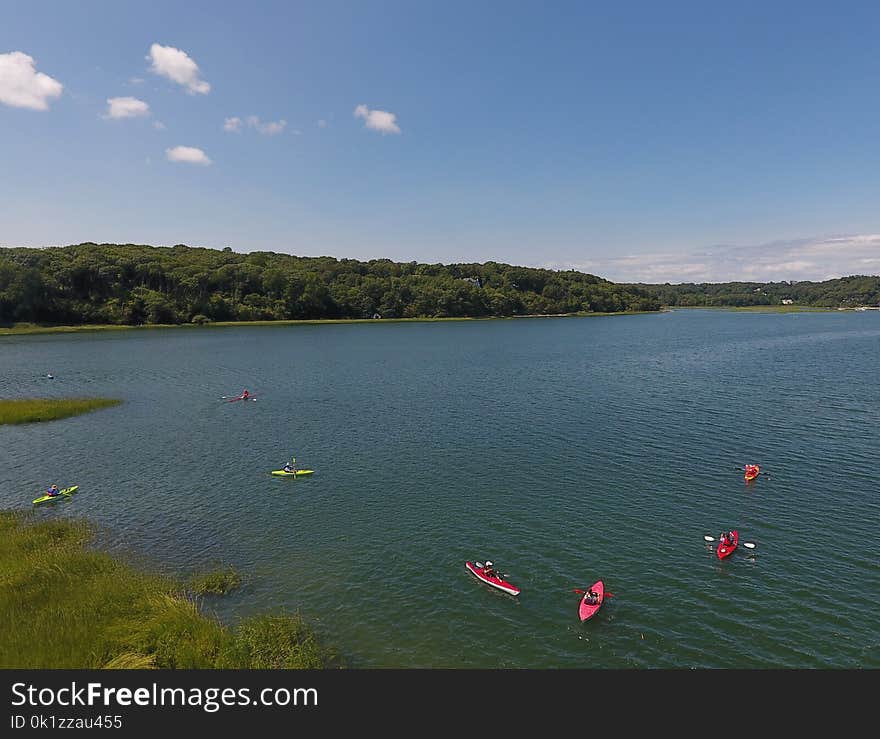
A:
(479, 571)
(588, 610)
(752, 471)
(725, 550)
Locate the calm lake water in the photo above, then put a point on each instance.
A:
(564, 449)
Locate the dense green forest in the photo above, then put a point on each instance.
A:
(845, 292)
(133, 284)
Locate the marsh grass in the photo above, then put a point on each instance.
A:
(65, 605)
(215, 582)
(32, 410)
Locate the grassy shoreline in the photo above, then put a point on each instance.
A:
(760, 308)
(65, 605)
(36, 410)
(29, 328)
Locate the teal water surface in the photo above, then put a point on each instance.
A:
(566, 450)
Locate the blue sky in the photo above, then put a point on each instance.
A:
(652, 141)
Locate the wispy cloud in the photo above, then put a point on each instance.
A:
(267, 128)
(322, 123)
(126, 107)
(159, 126)
(378, 120)
(232, 125)
(187, 155)
(272, 127)
(22, 86)
(178, 67)
(818, 258)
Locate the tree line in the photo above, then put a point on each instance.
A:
(844, 292)
(136, 284)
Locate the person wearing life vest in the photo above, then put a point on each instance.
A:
(53, 491)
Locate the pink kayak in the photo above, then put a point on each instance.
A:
(588, 610)
(479, 572)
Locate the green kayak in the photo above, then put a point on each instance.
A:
(65, 493)
(298, 473)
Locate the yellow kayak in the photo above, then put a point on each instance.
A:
(298, 473)
(65, 493)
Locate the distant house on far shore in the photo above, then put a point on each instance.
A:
(787, 301)
(376, 315)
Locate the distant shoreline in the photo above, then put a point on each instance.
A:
(23, 330)
(26, 329)
(762, 308)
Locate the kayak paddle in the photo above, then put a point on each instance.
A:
(746, 544)
(584, 592)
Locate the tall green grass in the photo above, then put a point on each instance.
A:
(30, 410)
(215, 582)
(64, 605)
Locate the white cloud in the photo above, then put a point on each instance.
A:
(159, 126)
(869, 242)
(815, 259)
(178, 67)
(22, 86)
(267, 128)
(136, 80)
(188, 155)
(271, 128)
(126, 107)
(378, 120)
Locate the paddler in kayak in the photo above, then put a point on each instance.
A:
(291, 466)
(726, 539)
(490, 571)
(592, 597)
(53, 491)
(245, 394)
